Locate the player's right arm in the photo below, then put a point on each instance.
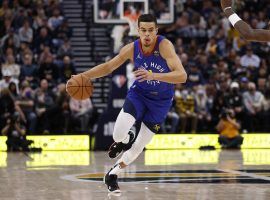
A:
(108, 67)
(259, 35)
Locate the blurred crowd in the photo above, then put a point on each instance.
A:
(224, 71)
(36, 59)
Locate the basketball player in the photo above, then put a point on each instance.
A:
(242, 27)
(157, 69)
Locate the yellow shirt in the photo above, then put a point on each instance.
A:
(229, 129)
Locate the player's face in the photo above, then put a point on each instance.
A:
(148, 33)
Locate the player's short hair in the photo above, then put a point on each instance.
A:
(147, 18)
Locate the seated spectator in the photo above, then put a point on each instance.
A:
(250, 59)
(25, 101)
(9, 52)
(13, 90)
(236, 69)
(24, 49)
(62, 32)
(10, 40)
(81, 110)
(195, 76)
(49, 71)
(228, 129)
(6, 24)
(29, 71)
(43, 102)
(202, 110)
(7, 79)
(43, 39)
(185, 104)
(254, 102)
(26, 32)
(66, 69)
(234, 100)
(55, 20)
(65, 50)
(45, 54)
(59, 114)
(11, 66)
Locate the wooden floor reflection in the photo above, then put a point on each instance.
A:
(172, 174)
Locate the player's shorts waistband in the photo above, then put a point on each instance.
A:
(155, 95)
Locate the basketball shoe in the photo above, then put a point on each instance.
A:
(111, 181)
(118, 147)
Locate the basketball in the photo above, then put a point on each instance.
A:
(79, 87)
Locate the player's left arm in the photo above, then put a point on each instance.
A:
(177, 74)
(259, 35)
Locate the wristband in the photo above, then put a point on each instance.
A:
(227, 8)
(234, 18)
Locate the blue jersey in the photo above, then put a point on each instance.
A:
(149, 101)
(152, 62)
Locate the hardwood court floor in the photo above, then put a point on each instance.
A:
(177, 174)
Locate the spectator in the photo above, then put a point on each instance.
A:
(254, 102)
(195, 77)
(229, 128)
(6, 24)
(234, 101)
(250, 60)
(55, 20)
(185, 104)
(25, 101)
(29, 71)
(15, 132)
(81, 110)
(11, 66)
(45, 54)
(43, 102)
(7, 79)
(66, 69)
(60, 113)
(202, 110)
(26, 32)
(63, 31)
(42, 40)
(49, 71)
(65, 50)
(11, 39)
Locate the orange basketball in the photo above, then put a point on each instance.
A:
(79, 87)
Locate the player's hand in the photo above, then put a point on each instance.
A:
(143, 75)
(226, 3)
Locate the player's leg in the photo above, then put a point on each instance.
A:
(152, 120)
(122, 134)
(144, 137)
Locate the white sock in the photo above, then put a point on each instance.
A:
(116, 170)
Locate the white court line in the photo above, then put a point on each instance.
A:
(245, 174)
